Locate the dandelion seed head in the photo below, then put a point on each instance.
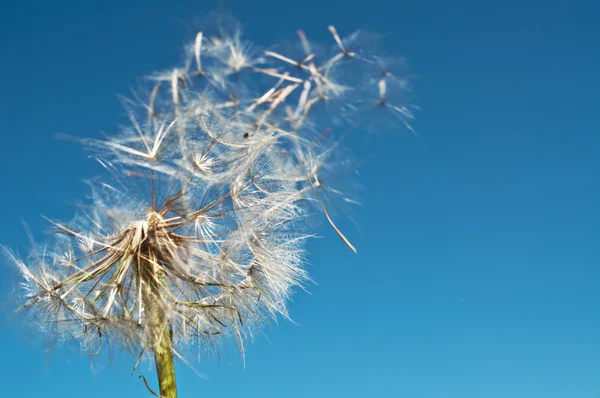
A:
(201, 213)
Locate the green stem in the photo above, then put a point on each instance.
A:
(160, 334)
(163, 357)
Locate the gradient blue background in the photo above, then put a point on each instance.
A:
(478, 266)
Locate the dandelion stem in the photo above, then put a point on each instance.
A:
(159, 329)
(163, 356)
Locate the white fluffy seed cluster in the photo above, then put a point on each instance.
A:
(202, 212)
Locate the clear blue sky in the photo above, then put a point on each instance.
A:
(478, 260)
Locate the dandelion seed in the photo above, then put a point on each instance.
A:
(197, 52)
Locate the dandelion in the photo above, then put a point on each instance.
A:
(195, 234)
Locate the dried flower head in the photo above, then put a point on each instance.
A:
(197, 232)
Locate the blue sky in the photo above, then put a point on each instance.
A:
(478, 259)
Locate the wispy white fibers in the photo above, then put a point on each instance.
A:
(204, 197)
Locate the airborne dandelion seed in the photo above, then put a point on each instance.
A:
(197, 234)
